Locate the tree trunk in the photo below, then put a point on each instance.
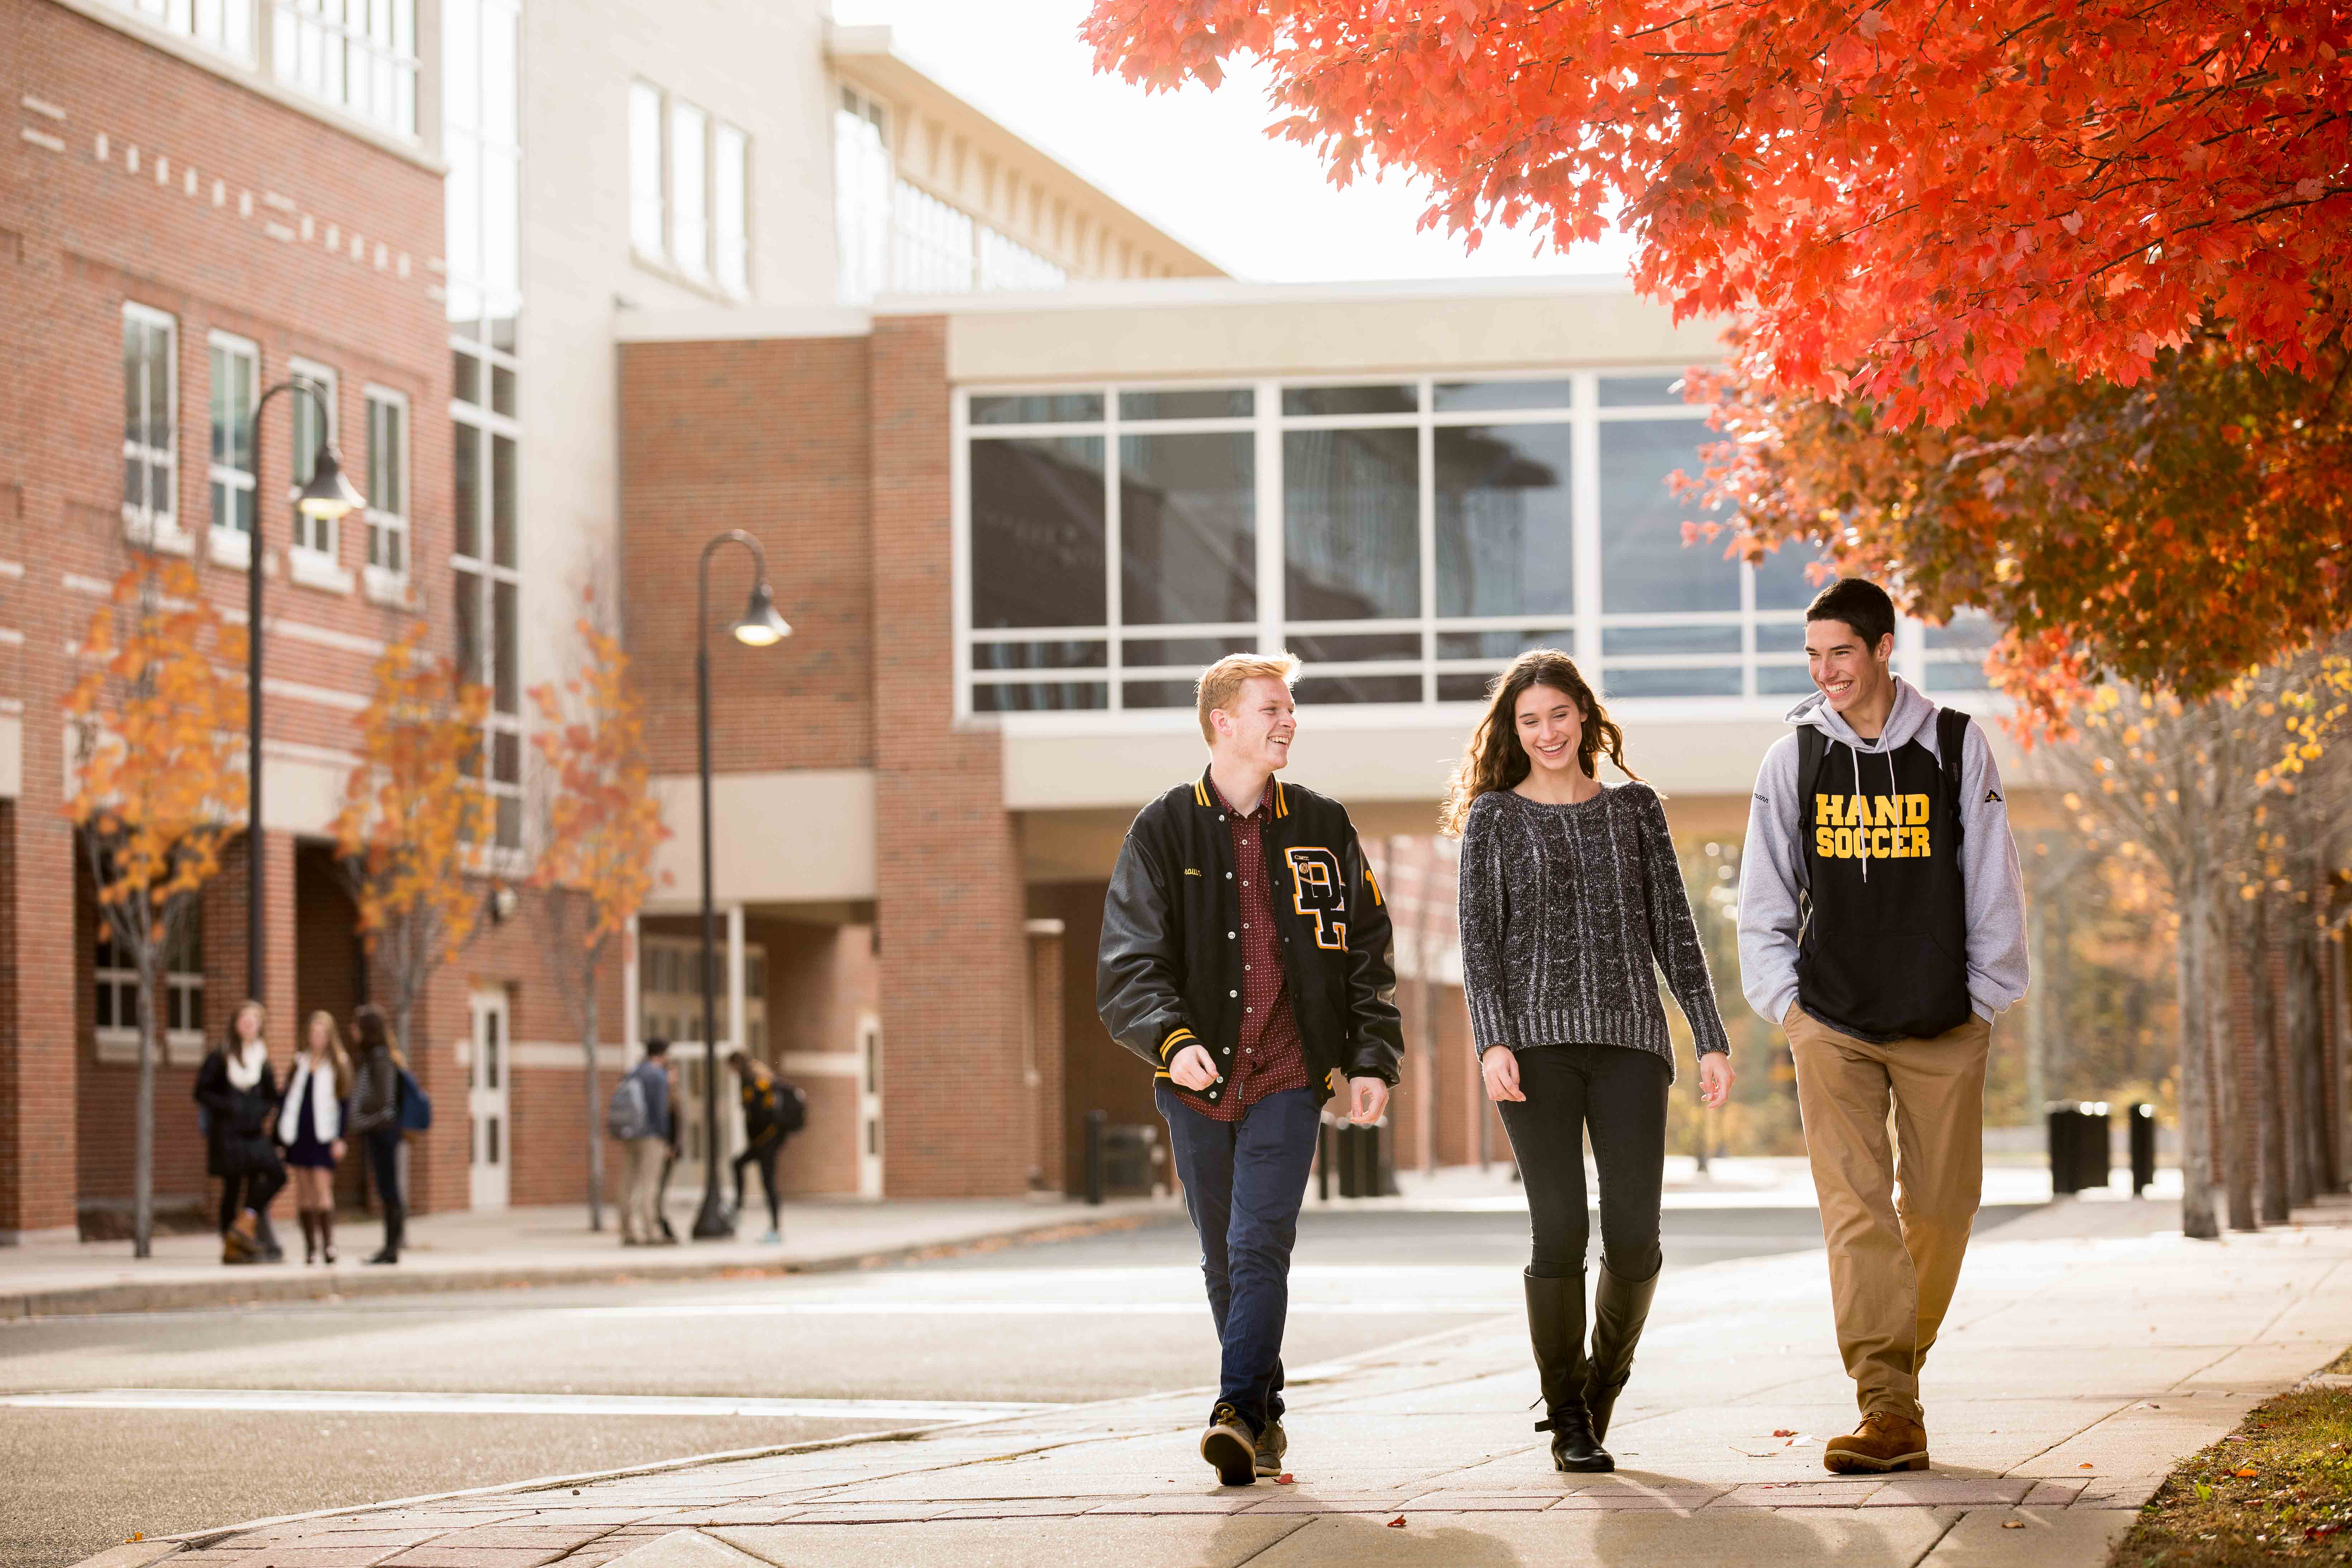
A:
(2298, 1050)
(2196, 1121)
(143, 1160)
(2220, 997)
(2270, 1102)
(595, 1106)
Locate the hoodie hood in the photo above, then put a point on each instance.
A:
(1911, 714)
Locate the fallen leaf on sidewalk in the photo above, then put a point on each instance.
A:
(2012, 1524)
(2086, 1465)
(1397, 1523)
(1784, 1431)
(2245, 1474)
(1286, 1480)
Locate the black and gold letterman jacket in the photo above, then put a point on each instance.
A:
(1170, 969)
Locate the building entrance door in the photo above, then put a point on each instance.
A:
(488, 1073)
(869, 1107)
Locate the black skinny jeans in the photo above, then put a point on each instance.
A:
(383, 1166)
(763, 1155)
(252, 1190)
(1620, 1094)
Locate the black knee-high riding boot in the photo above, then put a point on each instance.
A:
(1556, 1329)
(310, 1235)
(1620, 1309)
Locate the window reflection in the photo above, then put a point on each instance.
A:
(1645, 565)
(1037, 532)
(1505, 539)
(1188, 528)
(1352, 538)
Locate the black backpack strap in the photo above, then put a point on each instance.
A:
(1811, 746)
(1951, 743)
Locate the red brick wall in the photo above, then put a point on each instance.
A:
(769, 437)
(949, 873)
(80, 232)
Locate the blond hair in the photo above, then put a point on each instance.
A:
(335, 1054)
(1219, 686)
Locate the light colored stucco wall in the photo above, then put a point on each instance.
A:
(760, 67)
(802, 836)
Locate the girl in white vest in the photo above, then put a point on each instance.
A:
(310, 1126)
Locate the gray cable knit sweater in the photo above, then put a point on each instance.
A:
(1564, 909)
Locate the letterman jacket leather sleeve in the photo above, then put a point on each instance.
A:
(1375, 1037)
(1137, 993)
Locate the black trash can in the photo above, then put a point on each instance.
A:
(1366, 1158)
(2140, 1123)
(2078, 1145)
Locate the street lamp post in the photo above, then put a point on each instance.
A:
(759, 627)
(325, 494)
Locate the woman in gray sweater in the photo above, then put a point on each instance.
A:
(1571, 900)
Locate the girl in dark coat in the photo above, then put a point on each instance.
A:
(239, 1093)
(375, 1122)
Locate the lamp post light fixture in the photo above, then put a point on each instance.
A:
(758, 626)
(326, 494)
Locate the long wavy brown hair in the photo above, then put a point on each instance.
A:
(1495, 759)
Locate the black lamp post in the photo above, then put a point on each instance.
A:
(759, 627)
(325, 494)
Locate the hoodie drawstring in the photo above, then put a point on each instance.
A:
(1864, 839)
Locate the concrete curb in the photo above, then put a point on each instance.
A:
(249, 1288)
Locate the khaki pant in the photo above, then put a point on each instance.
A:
(641, 1190)
(1896, 1218)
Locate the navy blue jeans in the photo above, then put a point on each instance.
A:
(1243, 1181)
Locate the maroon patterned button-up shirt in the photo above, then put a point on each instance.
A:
(1269, 1057)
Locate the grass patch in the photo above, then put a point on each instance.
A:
(2278, 1489)
(2341, 1366)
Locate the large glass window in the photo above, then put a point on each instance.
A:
(1405, 538)
(862, 181)
(689, 190)
(226, 25)
(235, 374)
(649, 216)
(358, 55)
(387, 490)
(150, 410)
(317, 539)
(114, 1002)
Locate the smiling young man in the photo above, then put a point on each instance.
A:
(1246, 956)
(1882, 924)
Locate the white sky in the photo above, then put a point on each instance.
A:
(1198, 163)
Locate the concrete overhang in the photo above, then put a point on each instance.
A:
(789, 838)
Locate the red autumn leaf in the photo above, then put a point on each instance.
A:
(1784, 1431)
(1397, 1523)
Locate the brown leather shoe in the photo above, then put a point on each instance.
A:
(1883, 1442)
(1231, 1447)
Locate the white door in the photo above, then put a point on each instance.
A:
(869, 1107)
(488, 1072)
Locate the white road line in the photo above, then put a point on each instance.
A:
(345, 1402)
(1388, 1307)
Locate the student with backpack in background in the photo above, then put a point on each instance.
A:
(375, 1121)
(1882, 923)
(639, 1116)
(773, 1111)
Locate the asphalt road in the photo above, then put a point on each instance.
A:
(282, 1409)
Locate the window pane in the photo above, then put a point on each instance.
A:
(1191, 403)
(1040, 698)
(502, 500)
(1505, 545)
(1157, 693)
(1783, 680)
(1081, 655)
(1501, 644)
(1960, 675)
(466, 466)
(1360, 688)
(505, 757)
(1187, 533)
(1781, 578)
(506, 684)
(464, 376)
(731, 213)
(391, 487)
(134, 380)
(1645, 566)
(1669, 639)
(1356, 649)
(645, 169)
(1470, 395)
(463, 186)
(689, 229)
(1139, 653)
(1970, 629)
(1037, 553)
(502, 390)
(1038, 408)
(499, 86)
(466, 616)
(1670, 682)
(159, 389)
(1352, 539)
(223, 403)
(460, 51)
(1634, 391)
(1397, 399)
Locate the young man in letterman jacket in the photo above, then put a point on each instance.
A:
(1882, 923)
(1246, 956)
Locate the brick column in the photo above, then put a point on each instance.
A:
(1045, 1052)
(40, 1058)
(948, 873)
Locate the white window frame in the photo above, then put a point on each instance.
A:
(714, 255)
(117, 1045)
(315, 558)
(230, 546)
(388, 584)
(223, 27)
(147, 525)
(366, 69)
(730, 210)
(649, 205)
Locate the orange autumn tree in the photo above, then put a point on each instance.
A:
(1916, 211)
(599, 826)
(156, 735)
(415, 818)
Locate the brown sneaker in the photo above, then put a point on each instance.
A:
(1271, 1445)
(1883, 1442)
(1231, 1447)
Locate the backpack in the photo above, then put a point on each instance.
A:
(415, 1105)
(626, 1115)
(1951, 737)
(792, 1107)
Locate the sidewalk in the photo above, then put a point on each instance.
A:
(553, 1246)
(2074, 1370)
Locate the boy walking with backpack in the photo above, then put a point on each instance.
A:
(773, 1111)
(1882, 923)
(639, 1116)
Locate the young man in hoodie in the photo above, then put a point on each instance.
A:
(1882, 924)
(1246, 957)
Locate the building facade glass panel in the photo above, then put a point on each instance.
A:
(1505, 523)
(1039, 520)
(1188, 528)
(235, 385)
(1351, 524)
